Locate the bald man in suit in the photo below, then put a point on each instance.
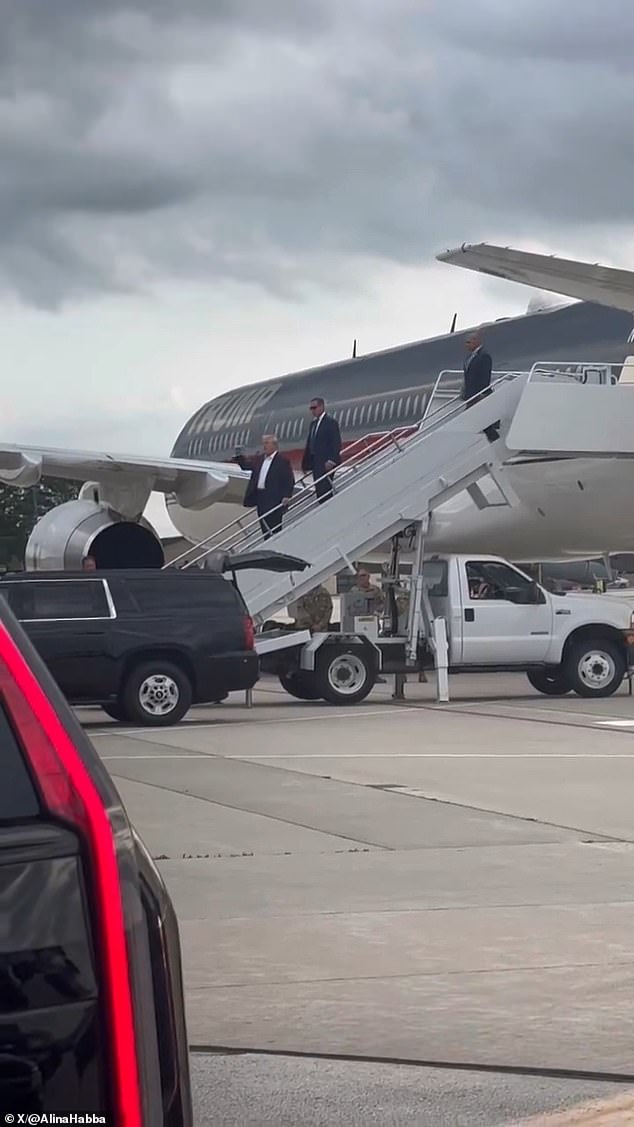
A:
(477, 370)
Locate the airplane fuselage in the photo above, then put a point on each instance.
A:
(569, 507)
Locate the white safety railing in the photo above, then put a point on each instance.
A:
(581, 371)
(245, 533)
(447, 396)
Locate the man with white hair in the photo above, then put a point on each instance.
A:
(271, 486)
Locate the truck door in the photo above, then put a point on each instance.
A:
(506, 618)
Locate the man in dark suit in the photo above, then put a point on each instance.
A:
(477, 370)
(271, 486)
(323, 449)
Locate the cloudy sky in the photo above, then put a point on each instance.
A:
(198, 194)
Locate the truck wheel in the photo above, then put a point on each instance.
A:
(299, 685)
(596, 667)
(555, 684)
(344, 676)
(156, 693)
(115, 711)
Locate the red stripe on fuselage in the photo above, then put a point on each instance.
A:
(352, 448)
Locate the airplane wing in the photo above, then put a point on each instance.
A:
(195, 484)
(604, 285)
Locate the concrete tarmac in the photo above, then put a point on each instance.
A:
(436, 884)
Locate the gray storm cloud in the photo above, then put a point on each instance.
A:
(282, 143)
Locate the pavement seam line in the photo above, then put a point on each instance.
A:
(475, 972)
(596, 834)
(258, 813)
(409, 1062)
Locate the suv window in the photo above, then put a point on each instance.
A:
(17, 794)
(58, 599)
(182, 592)
(490, 580)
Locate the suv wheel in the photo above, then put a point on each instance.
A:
(156, 693)
(115, 711)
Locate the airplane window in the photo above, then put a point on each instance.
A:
(355, 417)
(363, 414)
(416, 406)
(408, 404)
(400, 408)
(298, 427)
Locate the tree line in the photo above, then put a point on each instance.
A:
(20, 510)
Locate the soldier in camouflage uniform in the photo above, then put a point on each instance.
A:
(312, 612)
(375, 599)
(373, 594)
(402, 601)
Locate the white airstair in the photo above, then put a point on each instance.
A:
(391, 481)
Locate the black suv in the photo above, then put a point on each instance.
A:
(143, 644)
(92, 1018)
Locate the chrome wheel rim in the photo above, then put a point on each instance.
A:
(158, 694)
(347, 674)
(596, 669)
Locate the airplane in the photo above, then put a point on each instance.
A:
(562, 513)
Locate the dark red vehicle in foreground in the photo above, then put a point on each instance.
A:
(92, 1015)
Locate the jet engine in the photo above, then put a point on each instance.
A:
(64, 536)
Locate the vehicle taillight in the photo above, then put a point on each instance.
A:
(68, 792)
(249, 633)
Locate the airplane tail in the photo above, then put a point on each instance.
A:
(604, 285)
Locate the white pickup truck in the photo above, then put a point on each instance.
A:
(497, 619)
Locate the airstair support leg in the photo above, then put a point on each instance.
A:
(416, 593)
(441, 660)
(400, 680)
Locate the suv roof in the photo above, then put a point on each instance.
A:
(220, 563)
(105, 573)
